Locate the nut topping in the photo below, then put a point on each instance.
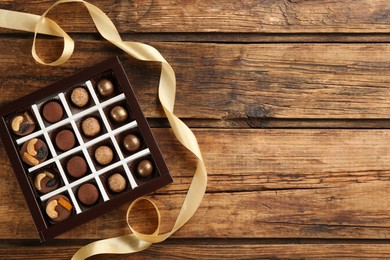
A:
(31, 147)
(51, 209)
(16, 122)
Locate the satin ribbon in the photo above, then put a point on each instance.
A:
(136, 241)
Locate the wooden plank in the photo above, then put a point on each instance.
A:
(262, 183)
(167, 250)
(274, 16)
(250, 82)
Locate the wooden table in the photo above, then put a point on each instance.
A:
(290, 101)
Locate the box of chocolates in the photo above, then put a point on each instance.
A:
(80, 148)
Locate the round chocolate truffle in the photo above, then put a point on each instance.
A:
(59, 208)
(104, 155)
(79, 97)
(22, 124)
(90, 126)
(88, 194)
(46, 182)
(131, 143)
(34, 151)
(119, 114)
(105, 87)
(116, 183)
(145, 168)
(76, 166)
(65, 140)
(52, 112)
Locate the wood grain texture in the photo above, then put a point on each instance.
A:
(269, 16)
(283, 183)
(250, 82)
(217, 251)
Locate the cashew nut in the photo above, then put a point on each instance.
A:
(16, 122)
(38, 180)
(51, 209)
(31, 147)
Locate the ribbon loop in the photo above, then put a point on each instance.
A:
(136, 241)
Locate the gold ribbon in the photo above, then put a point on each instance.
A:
(167, 89)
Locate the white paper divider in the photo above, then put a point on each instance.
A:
(71, 117)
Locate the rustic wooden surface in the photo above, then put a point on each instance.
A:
(290, 101)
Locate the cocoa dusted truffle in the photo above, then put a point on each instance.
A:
(116, 183)
(105, 87)
(91, 126)
(34, 151)
(145, 168)
(52, 112)
(65, 140)
(119, 114)
(76, 166)
(59, 208)
(79, 97)
(104, 155)
(22, 124)
(88, 194)
(46, 182)
(131, 143)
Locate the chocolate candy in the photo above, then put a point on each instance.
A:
(22, 124)
(116, 183)
(65, 140)
(131, 143)
(52, 112)
(46, 182)
(119, 114)
(77, 166)
(91, 126)
(59, 208)
(105, 87)
(34, 152)
(104, 155)
(145, 168)
(88, 194)
(79, 97)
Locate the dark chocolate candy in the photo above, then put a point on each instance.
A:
(52, 112)
(76, 166)
(131, 143)
(65, 140)
(88, 194)
(145, 168)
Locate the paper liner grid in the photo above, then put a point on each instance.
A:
(83, 146)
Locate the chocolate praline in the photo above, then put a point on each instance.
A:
(76, 166)
(59, 208)
(119, 114)
(91, 126)
(116, 183)
(52, 112)
(145, 168)
(88, 194)
(104, 154)
(34, 151)
(22, 124)
(131, 143)
(79, 97)
(105, 87)
(46, 182)
(65, 140)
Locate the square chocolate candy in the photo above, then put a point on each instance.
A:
(81, 147)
